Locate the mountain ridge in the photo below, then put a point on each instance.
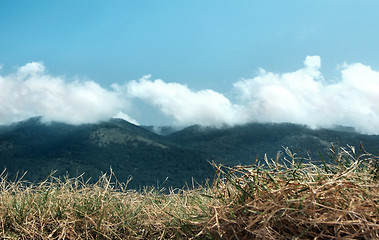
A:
(148, 157)
(242, 144)
(130, 150)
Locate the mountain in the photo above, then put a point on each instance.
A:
(161, 130)
(150, 158)
(93, 148)
(242, 144)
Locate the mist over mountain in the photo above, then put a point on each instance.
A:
(149, 158)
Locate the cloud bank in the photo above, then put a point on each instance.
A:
(187, 107)
(31, 92)
(303, 96)
(306, 97)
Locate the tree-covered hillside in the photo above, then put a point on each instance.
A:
(242, 144)
(129, 150)
(136, 152)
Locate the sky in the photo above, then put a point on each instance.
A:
(183, 62)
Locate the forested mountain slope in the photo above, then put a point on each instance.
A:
(138, 152)
(131, 151)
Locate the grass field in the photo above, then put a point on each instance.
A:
(288, 197)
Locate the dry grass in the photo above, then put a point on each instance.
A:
(73, 209)
(285, 199)
(300, 201)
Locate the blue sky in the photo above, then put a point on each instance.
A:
(198, 44)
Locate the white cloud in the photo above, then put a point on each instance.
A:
(122, 115)
(287, 97)
(187, 107)
(32, 92)
(303, 96)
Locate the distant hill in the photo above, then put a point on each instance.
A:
(242, 144)
(94, 148)
(161, 130)
(150, 158)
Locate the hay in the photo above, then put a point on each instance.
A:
(293, 200)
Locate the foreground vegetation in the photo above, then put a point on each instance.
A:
(286, 198)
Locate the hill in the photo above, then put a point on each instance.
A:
(150, 158)
(92, 149)
(242, 144)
